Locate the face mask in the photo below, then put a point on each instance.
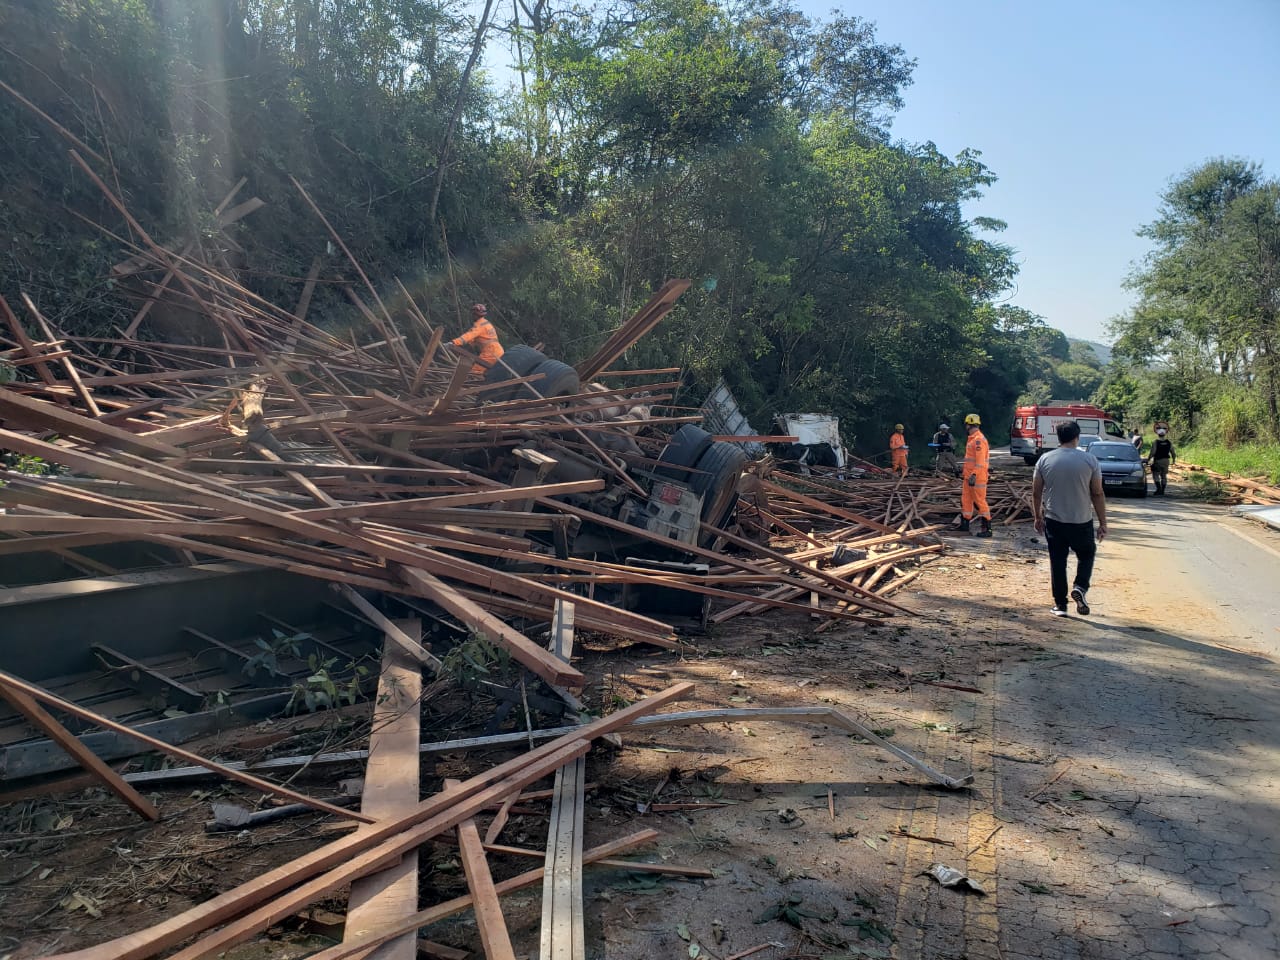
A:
(1160, 433)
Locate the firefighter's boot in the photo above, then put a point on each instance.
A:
(984, 527)
(964, 525)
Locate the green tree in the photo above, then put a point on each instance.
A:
(1210, 288)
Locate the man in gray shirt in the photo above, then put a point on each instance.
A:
(1065, 494)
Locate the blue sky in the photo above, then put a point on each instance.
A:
(1085, 110)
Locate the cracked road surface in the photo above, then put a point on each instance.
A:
(1130, 769)
(1126, 801)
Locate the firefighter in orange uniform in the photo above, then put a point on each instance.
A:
(481, 339)
(898, 450)
(975, 471)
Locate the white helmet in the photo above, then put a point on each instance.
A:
(943, 426)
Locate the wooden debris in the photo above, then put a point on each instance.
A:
(391, 790)
(29, 708)
(12, 684)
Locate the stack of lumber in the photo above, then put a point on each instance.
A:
(1241, 489)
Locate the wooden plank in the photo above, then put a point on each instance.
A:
(499, 821)
(77, 384)
(562, 629)
(428, 357)
(41, 415)
(563, 936)
(489, 919)
(285, 904)
(409, 645)
(14, 683)
(27, 706)
(471, 498)
(456, 382)
(239, 212)
(25, 342)
(440, 911)
(644, 320)
(304, 303)
(179, 927)
(523, 649)
(53, 543)
(125, 528)
(635, 866)
(391, 785)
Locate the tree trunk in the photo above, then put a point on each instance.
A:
(476, 47)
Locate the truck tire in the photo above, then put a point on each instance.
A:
(686, 447)
(717, 482)
(521, 359)
(558, 380)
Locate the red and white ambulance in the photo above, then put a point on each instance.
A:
(1034, 428)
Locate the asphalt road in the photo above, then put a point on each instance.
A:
(1181, 554)
(1163, 709)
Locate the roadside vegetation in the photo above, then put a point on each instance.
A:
(747, 147)
(1252, 460)
(560, 161)
(1201, 349)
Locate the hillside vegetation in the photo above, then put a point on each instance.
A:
(1202, 348)
(748, 148)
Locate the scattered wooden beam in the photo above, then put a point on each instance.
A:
(29, 708)
(391, 790)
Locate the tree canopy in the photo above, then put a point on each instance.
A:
(1208, 317)
(746, 146)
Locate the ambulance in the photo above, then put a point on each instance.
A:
(1035, 427)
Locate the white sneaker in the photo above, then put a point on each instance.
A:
(1059, 611)
(1082, 607)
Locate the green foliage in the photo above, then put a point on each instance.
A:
(1245, 460)
(1235, 415)
(747, 149)
(1208, 319)
(270, 652)
(1118, 394)
(321, 690)
(475, 659)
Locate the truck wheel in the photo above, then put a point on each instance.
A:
(686, 447)
(520, 358)
(717, 482)
(558, 380)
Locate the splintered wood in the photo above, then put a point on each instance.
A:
(375, 461)
(385, 467)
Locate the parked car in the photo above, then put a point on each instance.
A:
(1122, 467)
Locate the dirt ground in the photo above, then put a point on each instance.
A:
(791, 877)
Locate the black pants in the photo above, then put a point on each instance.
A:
(1063, 538)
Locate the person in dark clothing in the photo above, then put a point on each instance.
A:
(1162, 454)
(945, 444)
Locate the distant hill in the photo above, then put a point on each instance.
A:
(1100, 350)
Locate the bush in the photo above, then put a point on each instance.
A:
(1233, 417)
